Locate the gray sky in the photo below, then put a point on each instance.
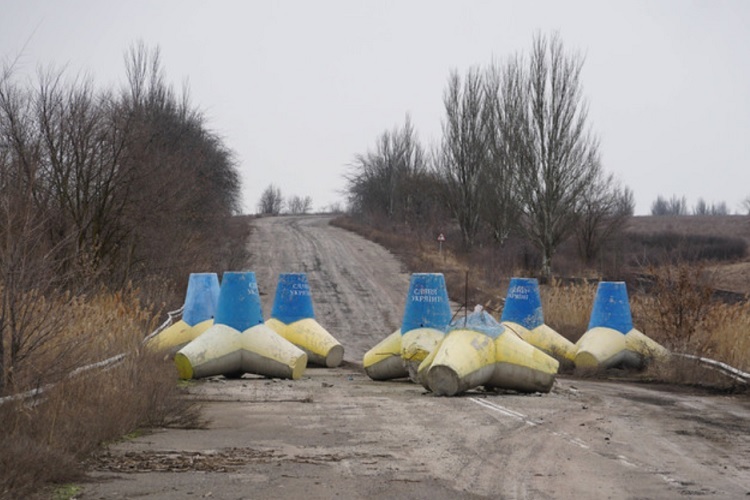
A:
(297, 88)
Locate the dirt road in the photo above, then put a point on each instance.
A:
(359, 288)
(335, 433)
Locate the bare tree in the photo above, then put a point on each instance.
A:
(464, 153)
(703, 208)
(30, 265)
(299, 205)
(82, 149)
(672, 207)
(659, 206)
(605, 205)
(503, 96)
(333, 208)
(182, 183)
(271, 202)
(383, 181)
(746, 205)
(719, 208)
(557, 157)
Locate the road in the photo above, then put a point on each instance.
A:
(336, 433)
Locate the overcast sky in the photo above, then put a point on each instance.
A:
(297, 88)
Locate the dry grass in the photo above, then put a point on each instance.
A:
(676, 304)
(725, 334)
(678, 313)
(729, 226)
(567, 307)
(45, 440)
(62, 332)
(681, 314)
(419, 255)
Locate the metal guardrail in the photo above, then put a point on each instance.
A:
(170, 319)
(106, 363)
(724, 368)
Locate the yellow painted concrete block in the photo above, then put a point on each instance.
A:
(604, 348)
(600, 347)
(649, 349)
(464, 360)
(217, 351)
(222, 350)
(320, 346)
(425, 365)
(383, 361)
(520, 366)
(178, 335)
(545, 338)
(416, 345)
(267, 353)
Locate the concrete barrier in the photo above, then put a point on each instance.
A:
(426, 317)
(293, 318)
(611, 340)
(519, 366)
(424, 366)
(523, 314)
(383, 362)
(479, 351)
(239, 341)
(201, 300)
(465, 359)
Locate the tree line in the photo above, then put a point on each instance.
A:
(677, 205)
(104, 188)
(272, 202)
(517, 157)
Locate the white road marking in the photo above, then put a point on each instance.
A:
(570, 439)
(671, 481)
(580, 443)
(505, 411)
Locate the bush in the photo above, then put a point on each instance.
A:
(46, 439)
(676, 305)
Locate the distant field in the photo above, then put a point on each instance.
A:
(708, 225)
(731, 276)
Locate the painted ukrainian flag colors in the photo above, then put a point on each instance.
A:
(611, 339)
(239, 341)
(222, 332)
(201, 300)
(294, 319)
(523, 315)
(426, 316)
(479, 351)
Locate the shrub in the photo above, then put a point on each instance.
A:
(677, 304)
(46, 439)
